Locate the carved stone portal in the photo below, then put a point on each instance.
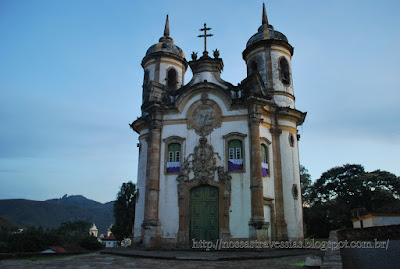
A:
(201, 164)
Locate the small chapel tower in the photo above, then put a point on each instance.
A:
(218, 161)
(93, 230)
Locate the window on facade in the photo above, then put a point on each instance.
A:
(284, 71)
(264, 160)
(235, 158)
(174, 158)
(171, 78)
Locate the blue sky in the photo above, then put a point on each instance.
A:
(70, 83)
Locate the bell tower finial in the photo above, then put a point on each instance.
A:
(166, 29)
(264, 16)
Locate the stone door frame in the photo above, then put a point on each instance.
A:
(184, 240)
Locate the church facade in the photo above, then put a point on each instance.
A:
(218, 161)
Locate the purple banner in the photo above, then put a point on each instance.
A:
(264, 168)
(264, 172)
(173, 169)
(235, 164)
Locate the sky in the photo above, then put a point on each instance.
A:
(70, 83)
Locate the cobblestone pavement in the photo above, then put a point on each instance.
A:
(97, 260)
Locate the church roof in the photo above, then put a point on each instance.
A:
(166, 44)
(271, 34)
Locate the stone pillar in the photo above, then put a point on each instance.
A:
(280, 224)
(257, 225)
(151, 223)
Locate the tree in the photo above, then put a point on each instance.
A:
(124, 211)
(305, 184)
(340, 190)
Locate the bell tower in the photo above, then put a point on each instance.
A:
(269, 53)
(164, 67)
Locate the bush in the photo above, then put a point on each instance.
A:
(90, 243)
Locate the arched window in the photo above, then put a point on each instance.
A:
(235, 155)
(264, 160)
(173, 154)
(254, 67)
(174, 158)
(171, 78)
(284, 71)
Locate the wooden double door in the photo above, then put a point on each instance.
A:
(204, 216)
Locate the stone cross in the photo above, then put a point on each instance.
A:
(205, 29)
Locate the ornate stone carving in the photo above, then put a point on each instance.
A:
(204, 116)
(204, 163)
(194, 56)
(224, 178)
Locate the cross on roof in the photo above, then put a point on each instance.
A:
(205, 29)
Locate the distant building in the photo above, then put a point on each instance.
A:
(109, 241)
(388, 215)
(93, 230)
(109, 233)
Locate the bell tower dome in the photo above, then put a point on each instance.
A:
(164, 64)
(269, 53)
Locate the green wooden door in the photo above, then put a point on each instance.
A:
(204, 213)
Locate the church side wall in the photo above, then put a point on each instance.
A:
(168, 204)
(141, 186)
(291, 178)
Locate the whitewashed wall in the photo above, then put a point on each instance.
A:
(240, 199)
(276, 53)
(386, 220)
(290, 176)
(141, 185)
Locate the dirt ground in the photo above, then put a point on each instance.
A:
(97, 260)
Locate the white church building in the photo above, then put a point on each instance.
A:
(218, 161)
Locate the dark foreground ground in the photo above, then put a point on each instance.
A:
(97, 260)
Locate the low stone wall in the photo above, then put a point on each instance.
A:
(381, 233)
(374, 257)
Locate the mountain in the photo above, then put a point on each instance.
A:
(8, 224)
(78, 200)
(52, 213)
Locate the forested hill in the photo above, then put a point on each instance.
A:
(52, 213)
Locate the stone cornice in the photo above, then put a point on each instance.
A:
(266, 43)
(292, 115)
(158, 55)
